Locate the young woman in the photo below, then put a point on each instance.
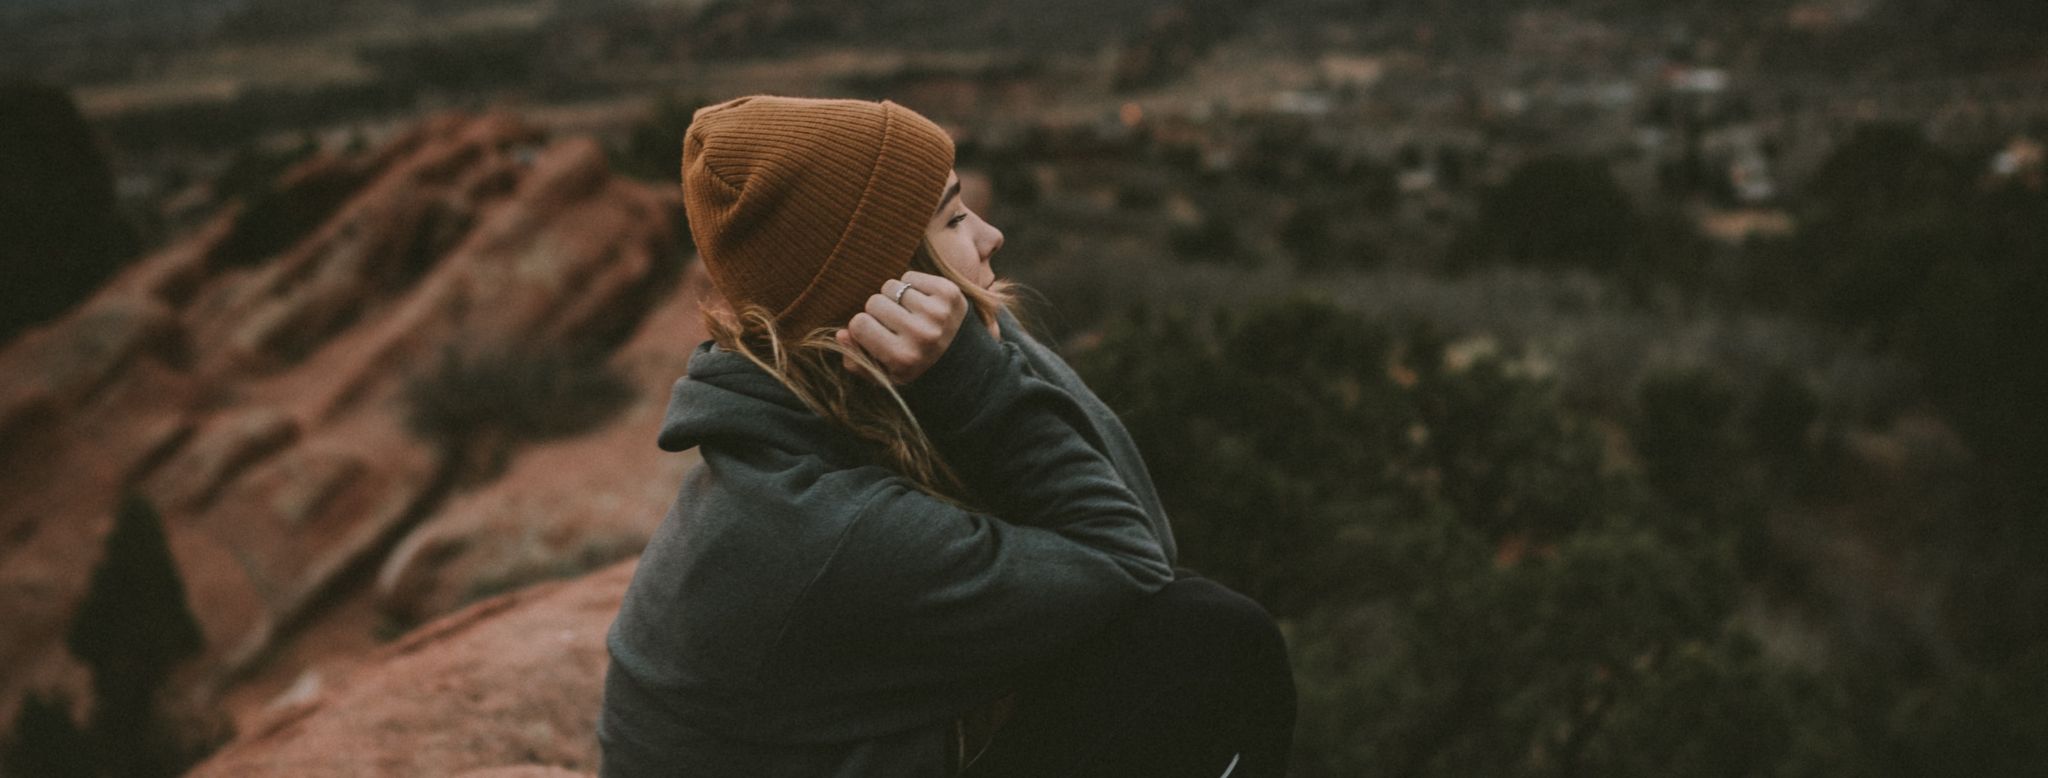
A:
(917, 544)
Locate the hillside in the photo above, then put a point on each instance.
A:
(304, 389)
(507, 687)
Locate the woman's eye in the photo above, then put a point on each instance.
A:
(956, 220)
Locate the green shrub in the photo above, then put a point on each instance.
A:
(1554, 211)
(1214, 239)
(1684, 432)
(479, 404)
(1467, 586)
(1567, 212)
(46, 742)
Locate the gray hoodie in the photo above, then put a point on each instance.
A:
(804, 611)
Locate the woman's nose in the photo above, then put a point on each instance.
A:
(995, 242)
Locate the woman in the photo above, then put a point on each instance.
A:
(909, 530)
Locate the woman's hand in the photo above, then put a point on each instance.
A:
(906, 330)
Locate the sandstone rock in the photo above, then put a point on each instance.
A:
(523, 771)
(225, 447)
(250, 378)
(510, 686)
(558, 510)
(72, 362)
(302, 484)
(565, 506)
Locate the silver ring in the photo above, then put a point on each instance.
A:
(899, 292)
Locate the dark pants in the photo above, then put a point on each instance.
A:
(1192, 678)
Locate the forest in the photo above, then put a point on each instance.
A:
(1487, 570)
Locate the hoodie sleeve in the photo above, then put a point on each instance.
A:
(921, 591)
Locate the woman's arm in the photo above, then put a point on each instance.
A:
(1109, 433)
(921, 591)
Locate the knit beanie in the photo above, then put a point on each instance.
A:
(805, 206)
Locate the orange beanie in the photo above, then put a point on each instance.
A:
(805, 206)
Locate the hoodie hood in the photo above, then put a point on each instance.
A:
(724, 398)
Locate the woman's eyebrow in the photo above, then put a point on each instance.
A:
(951, 191)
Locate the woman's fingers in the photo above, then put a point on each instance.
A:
(907, 328)
(914, 326)
(845, 339)
(885, 346)
(924, 304)
(928, 288)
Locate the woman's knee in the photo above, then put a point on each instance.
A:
(1196, 611)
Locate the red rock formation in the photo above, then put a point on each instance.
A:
(249, 380)
(505, 688)
(559, 507)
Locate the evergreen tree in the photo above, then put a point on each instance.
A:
(1554, 211)
(46, 742)
(654, 150)
(1884, 210)
(132, 629)
(62, 222)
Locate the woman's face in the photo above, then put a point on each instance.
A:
(961, 239)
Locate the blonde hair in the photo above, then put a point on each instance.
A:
(811, 366)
